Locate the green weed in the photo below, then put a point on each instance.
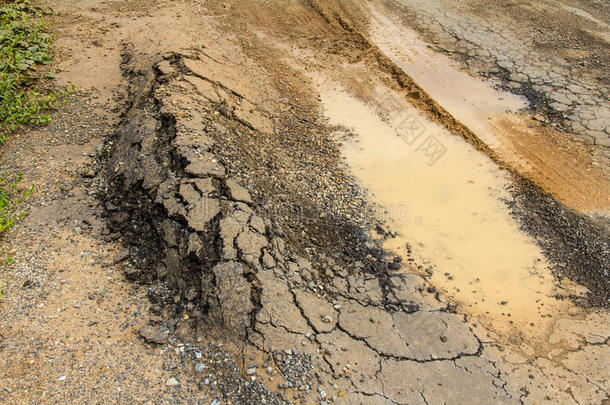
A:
(25, 47)
(10, 200)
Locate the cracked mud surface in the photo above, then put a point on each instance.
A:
(235, 219)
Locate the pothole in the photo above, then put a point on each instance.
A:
(448, 203)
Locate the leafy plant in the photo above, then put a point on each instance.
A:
(24, 46)
(10, 201)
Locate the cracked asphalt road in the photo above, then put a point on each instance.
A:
(373, 338)
(340, 328)
(554, 53)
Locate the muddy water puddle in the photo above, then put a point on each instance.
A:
(450, 211)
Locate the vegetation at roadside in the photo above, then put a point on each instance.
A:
(10, 200)
(25, 46)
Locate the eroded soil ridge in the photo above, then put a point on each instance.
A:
(368, 335)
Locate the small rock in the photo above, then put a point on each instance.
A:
(394, 266)
(121, 257)
(131, 273)
(205, 167)
(153, 334)
(268, 260)
(237, 192)
(171, 382)
(165, 68)
(87, 173)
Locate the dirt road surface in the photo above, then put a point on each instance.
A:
(381, 202)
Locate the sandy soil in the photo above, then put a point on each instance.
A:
(219, 175)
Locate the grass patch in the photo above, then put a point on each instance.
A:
(25, 45)
(25, 48)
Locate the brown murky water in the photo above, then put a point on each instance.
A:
(450, 208)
